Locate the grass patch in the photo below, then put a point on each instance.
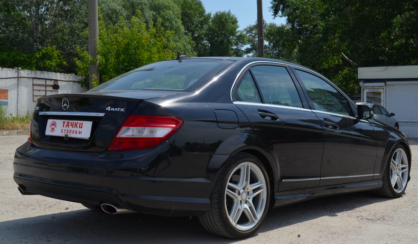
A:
(13, 123)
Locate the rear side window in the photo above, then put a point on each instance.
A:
(276, 86)
(247, 91)
(184, 75)
(324, 97)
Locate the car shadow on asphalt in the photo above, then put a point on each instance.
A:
(86, 226)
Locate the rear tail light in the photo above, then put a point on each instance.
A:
(30, 133)
(143, 132)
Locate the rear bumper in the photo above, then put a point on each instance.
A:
(85, 178)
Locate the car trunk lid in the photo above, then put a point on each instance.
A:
(84, 122)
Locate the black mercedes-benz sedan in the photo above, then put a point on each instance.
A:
(224, 139)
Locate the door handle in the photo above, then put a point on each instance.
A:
(331, 124)
(267, 115)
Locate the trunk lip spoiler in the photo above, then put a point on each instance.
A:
(86, 114)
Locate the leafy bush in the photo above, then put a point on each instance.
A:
(125, 46)
(46, 59)
(13, 123)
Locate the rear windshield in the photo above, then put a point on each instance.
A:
(184, 75)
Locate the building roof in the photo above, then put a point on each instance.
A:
(388, 72)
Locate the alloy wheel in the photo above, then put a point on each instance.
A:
(399, 168)
(245, 196)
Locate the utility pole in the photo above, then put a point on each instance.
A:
(93, 37)
(260, 28)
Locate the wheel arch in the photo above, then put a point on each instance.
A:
(270, 172)
(408, 153)
(390, 150)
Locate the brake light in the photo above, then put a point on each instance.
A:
(143, 132)
(30, 133)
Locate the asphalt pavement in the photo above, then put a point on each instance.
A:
(350, 218)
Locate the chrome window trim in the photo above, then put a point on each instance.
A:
(271, 105)
(275, 63)
(329, 178)
(86, 114)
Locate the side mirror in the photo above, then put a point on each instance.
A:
(392, 114)
(364, 112)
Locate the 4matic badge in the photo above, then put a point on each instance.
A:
(115, 109)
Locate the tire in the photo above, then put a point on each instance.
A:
(237, 208)
(93, 207)
(396, 174)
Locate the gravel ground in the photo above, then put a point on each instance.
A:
(351, 218)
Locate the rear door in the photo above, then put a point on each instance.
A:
(270, 99)
(350, 144)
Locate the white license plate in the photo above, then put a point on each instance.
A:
(71, 128)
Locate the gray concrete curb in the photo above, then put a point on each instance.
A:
(14, 132)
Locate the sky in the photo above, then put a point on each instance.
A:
(244, 10)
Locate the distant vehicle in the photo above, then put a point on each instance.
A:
(381, 114)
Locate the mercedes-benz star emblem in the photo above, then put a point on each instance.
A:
(65, 104)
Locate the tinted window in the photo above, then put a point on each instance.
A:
(247, 91)
(377, 110)
(167, 75)
(323, 95)
(384, 111)
(276, 86)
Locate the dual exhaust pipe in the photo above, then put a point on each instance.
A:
(112, 209)
(106, 207)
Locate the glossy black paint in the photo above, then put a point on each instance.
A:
(177, 176)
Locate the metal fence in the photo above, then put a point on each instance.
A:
(409, 128)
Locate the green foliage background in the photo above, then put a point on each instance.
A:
(42, 35)
(125, 46)
(334, 37)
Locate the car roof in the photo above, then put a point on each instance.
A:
(255, 59)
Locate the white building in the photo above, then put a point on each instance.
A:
(396, 89)
(19, 89)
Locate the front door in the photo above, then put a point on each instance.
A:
(269, 98)
(350, 146)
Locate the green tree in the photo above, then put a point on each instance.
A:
(279, 42)
(336, 37)
(223, 35)
(195, 21)
(152, 11)
(125, 46)
(49, 30)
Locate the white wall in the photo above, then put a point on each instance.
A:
(402, 99)
(20, 101)
(400, 96)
